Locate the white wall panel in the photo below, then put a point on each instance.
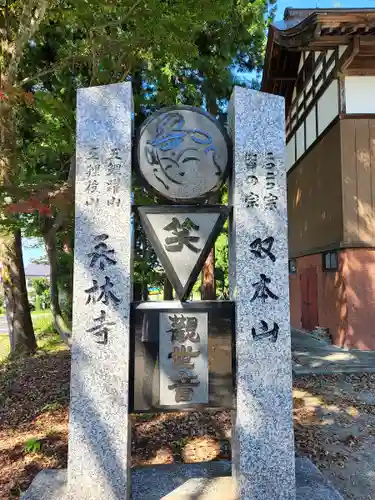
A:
(342, 49)
(319, 69)
(300, 105)
(328, 106)
(331, 66)
(300, 138)
(290, 153)
(310, 128)
(360, 94)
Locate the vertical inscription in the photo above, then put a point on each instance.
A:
(260, 192)
(183, 350)
(102, 257)
(261, 181)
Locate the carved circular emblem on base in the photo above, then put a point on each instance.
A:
(183, 153)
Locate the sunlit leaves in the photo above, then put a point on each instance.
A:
(173, 51)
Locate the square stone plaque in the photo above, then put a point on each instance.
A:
(183, 351)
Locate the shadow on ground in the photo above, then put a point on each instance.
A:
(334, 420)
(314, 355)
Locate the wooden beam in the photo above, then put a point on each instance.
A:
(319, 61)
(358, 116)
(368, 39)
(347, 57)
(360, 72)
(342, 96)
(284, 78)
(310, 106)
(326, 42)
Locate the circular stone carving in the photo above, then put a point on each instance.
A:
(183, 153)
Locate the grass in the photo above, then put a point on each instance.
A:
(44, 312)
(47, 338)
(4, 346)
(34, 398)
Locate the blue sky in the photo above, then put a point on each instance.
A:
(33, 250)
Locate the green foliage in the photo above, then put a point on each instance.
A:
(145, 417)
(40, 285)
(177, 446)
(47, 337)
(4, 349)
(46, 299)
(43, 324)
(147, 269)
(46, 334)
(221, 265)
(193, 54)
(33, 445)
(37, 302)
(51, 407)
(2, 305)
(43, 297)
(40, 260)
(65, 281)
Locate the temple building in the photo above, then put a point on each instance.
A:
(323, 62)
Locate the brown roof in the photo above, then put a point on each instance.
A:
(318, 27)
(309, 29)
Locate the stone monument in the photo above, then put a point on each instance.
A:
(99, 432)
(156, 356)
(263, 445)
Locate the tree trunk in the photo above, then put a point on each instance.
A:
(145, 293)
(168, 290)
(137, 292)
(69, 289)
(21, 330)
(22, 338)
(208, 287)
(60, 325)
(212, 106)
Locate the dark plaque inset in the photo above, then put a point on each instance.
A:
(182, 355)
(183, 153)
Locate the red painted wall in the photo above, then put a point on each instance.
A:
(332, 309)
(359, 277)
(295, 300)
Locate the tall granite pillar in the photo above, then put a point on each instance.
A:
(263, 449)
(99, 432)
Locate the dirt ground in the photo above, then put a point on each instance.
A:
(334, 419)
(334, 425)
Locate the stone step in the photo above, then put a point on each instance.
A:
(203, 481)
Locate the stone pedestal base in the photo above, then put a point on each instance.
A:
(206, 481)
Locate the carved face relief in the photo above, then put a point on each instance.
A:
(183, 153)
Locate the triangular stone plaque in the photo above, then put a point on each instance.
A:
(182, 237)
